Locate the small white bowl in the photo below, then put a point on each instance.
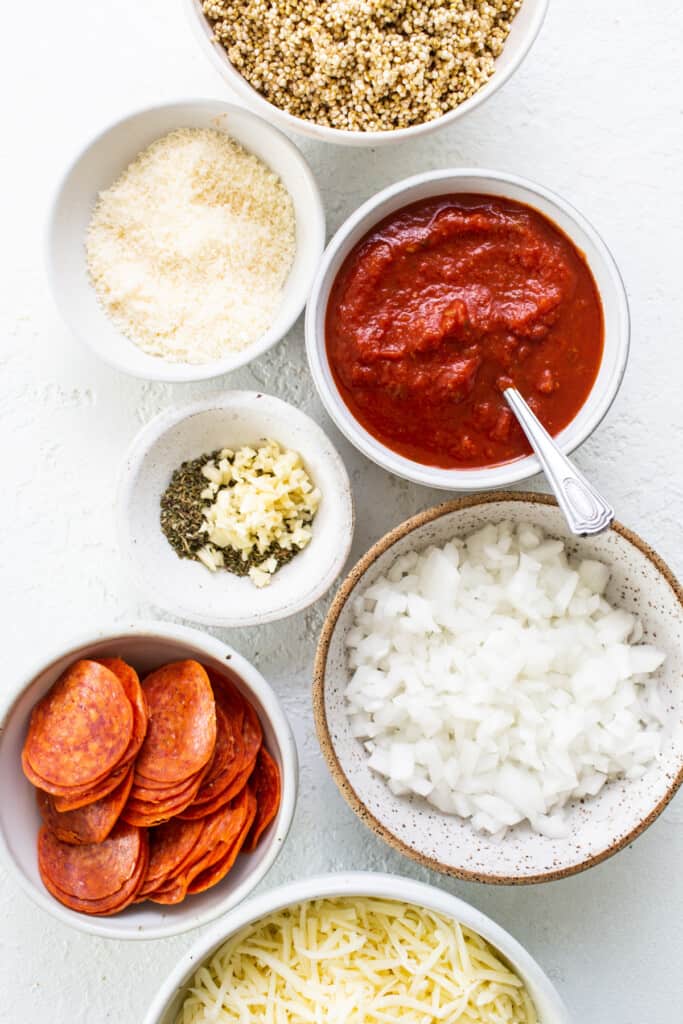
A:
(169, 999)
(599, 826)
(525, 28)
(185, 587)
(146, 646)
(494, 183)
(100, 164)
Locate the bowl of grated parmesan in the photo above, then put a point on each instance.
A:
(234, 511)
(184, 239)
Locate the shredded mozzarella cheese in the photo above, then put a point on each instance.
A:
(356, 961)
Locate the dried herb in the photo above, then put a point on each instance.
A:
(182, 508)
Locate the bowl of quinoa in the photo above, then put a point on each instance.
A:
(365, 72)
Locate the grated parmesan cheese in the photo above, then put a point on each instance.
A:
(356, 961)
(190, 248)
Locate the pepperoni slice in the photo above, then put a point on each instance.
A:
(125, 897)
(145, 810)
(266, 786)
(246, 735)
(252, 734)
(144, 789)
(90, 872)
(216, 872)
(148, 789)
(241, 813)
(145, 813)
(181, 732)
(89, 824)
(169, 846)
(83, 797)
(169, 894)
(236, 788)
(79, 731)
(231, 790)
(219, 832)
(217, 785)
(229, 698)
(113, 903)
(130, 681)
(225, 751)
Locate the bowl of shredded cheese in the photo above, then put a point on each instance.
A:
(357, 948)
(183, 240)
(234, 511)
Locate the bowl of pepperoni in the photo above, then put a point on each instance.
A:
(441, 291)
(147, 781)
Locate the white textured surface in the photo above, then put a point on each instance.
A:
(595, 114)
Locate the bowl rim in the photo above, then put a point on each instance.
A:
(133, 459)
(435, 476)
(161, 369)
(320, 715)
(343, 136)
(255, 682)
(358, 884)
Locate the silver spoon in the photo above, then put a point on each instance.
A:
(586, 511)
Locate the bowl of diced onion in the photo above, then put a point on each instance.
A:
(354, 947)
(499, 700)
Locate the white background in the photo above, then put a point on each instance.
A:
(595, 113)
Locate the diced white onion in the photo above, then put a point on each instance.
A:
(493, 678)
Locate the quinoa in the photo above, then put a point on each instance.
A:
(363, 65)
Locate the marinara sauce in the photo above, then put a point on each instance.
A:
(447, 302)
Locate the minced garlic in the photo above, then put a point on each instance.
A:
(256, 504)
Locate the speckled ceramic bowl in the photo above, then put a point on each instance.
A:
(146, 645)
(599, 827)
(169, 999)
(185, 587)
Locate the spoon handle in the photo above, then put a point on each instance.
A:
(586, 511)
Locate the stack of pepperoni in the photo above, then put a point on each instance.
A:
(147, 790)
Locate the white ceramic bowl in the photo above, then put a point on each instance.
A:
(495, 183)
(100, 164)
(169, 999)
(146, 646)
(598, 827)
(525, 28)
(186, 588)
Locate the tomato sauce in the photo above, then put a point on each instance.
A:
(444, 304)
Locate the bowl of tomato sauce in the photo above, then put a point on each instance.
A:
(441, 291)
